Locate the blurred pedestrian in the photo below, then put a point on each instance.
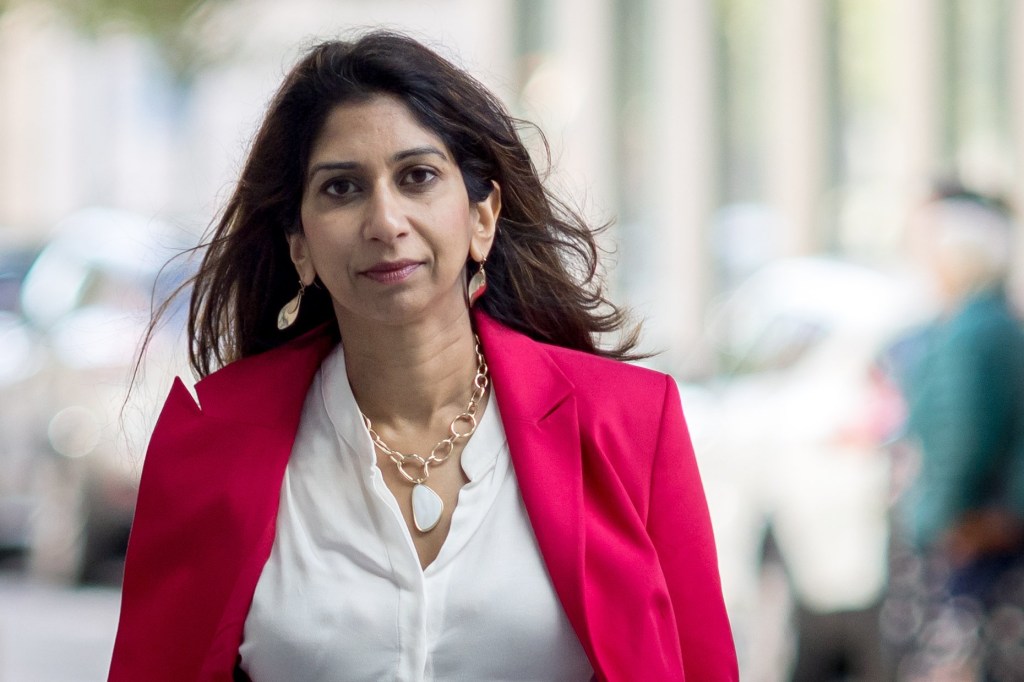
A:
(340, 319)
(963, 378)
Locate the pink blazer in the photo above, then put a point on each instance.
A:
(602, 456)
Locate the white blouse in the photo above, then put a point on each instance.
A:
(343, 596)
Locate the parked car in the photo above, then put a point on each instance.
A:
(20, 363)
(89, 295)
(788, 434)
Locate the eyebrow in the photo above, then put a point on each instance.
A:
(419, 151)
(395, 158)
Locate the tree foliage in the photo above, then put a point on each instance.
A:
(170, 24)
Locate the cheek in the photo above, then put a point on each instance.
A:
(327, 260)
(326, 236)
(458, 227)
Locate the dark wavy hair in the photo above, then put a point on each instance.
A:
(542, 268)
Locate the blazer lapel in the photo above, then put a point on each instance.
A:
(264, 398)
(203, 526)
(538, 412)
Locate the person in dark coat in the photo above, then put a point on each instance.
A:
(964, 386)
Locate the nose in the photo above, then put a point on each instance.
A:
(385, 220)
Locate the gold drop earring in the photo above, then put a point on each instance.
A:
(290, 310)
(477, 285)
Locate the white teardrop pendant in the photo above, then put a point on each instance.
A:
(426, 508)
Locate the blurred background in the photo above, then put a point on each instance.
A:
(759, 161)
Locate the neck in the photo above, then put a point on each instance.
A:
(417, 374)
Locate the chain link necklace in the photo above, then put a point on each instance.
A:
(427, 505)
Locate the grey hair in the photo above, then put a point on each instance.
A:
(973, 242)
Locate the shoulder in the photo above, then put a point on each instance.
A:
(606, 391)
(605, 376)
(256, 394)
(255, 386)
(985, 325)
(297, 358)
(586, 371)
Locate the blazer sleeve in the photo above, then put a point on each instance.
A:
(680, 528)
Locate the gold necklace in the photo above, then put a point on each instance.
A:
(427, 505)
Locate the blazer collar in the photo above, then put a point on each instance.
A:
(531, 383)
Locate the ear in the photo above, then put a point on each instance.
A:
(298, 250)
(486, 224)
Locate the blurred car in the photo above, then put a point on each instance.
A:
(89, 296)
(788, 433)
(20, 362)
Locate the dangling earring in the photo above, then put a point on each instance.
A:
(290, 311)
(477, 285)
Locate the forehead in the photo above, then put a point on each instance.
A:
(375, 128)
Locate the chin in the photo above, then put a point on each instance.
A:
(405, 308)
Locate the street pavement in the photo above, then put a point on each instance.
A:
(55, 634)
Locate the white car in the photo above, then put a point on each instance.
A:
(89, 295)
(788, 434)
(20, 363)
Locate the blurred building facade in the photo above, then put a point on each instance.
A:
(717, 134)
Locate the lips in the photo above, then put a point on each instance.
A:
(391, 272)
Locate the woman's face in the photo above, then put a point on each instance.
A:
(386, 221)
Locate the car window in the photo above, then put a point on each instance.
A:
(14, 265)
(776, 344)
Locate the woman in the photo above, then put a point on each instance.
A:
(553, 528)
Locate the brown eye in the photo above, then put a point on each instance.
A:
(419, 176)
(340, 187)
